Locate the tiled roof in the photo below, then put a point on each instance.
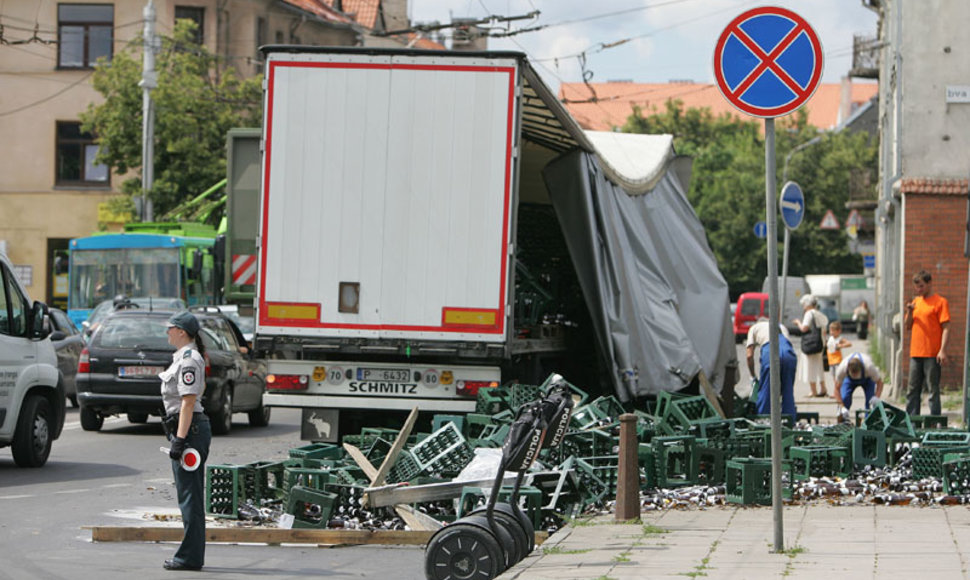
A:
(363, 11)
(614, 101)
(930, 186)
(321, 8)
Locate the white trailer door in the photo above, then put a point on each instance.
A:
(388, 180)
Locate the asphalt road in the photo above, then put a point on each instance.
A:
(119, 477)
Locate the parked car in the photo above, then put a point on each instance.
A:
(68, 343)
(245, 323)
(106, 307)
(750, 307)
(118, 371)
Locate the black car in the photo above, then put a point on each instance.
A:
(68, 342)
(118, 371)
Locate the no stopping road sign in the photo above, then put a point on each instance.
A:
(768, 62)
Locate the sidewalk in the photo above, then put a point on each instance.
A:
(822, 542)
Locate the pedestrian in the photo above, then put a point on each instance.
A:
(757, 344)
(861, 318)
(928, 317)
(857, 371)
(813, 326)
(833, 350)
(187, 427)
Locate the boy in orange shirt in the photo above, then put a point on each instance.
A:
(928, 317)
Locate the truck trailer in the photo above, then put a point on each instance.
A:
(436, 223)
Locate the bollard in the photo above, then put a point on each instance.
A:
(628, 472)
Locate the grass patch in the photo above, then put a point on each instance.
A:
(794, 551)
(557, 550)
(650, 530)
(623, 557)
(700, 570)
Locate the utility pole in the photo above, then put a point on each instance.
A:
(149, 80)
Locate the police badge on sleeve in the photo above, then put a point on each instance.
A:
(188, 377)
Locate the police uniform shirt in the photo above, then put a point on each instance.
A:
(185, 376)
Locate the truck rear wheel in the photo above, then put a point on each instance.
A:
(32, 440)
(259, 417)
(91, 420)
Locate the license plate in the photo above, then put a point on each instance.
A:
(139, 371)
(391, 375)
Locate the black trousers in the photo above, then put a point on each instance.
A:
(190, 486)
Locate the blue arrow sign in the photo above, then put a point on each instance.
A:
(792, 205)
(768, 62)
(761, 230)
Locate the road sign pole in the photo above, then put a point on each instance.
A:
(784, 273)
(773, 323)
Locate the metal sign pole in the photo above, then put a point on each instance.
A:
(784, 272)
(773, 323)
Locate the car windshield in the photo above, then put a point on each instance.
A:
(146, 302)
(149, 332)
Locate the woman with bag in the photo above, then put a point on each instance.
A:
(814, 327)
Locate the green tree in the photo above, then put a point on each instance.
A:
(196, 102)
(727, 188)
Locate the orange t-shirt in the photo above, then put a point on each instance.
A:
(929, 314)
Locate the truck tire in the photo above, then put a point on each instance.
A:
(91, 420)
(259, 417)
(137, 418)
(32, 440)
(222, 418)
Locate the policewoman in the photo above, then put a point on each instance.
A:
(187, 427)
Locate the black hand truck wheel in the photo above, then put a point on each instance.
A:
(463, 551)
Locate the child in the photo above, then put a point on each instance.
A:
(834, 347)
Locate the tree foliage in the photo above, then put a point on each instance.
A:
(196, 102)
(727, 188)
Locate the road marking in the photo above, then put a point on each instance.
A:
(15, 496)
(66, 491)
(108, 421)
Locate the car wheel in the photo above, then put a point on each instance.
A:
(90, 419)
(138, 418)
(222, 419)
(73, 400)
(32, 440)
(259, 417)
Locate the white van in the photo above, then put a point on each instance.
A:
(31, 388)
(795, 287)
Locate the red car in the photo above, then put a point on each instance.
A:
(751, 306)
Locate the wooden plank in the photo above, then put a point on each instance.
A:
(262, 535)
(395, 494)
(270, 536)
(358, 456)
(709, 393)
(396, 448)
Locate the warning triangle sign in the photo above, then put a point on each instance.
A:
(829, 222)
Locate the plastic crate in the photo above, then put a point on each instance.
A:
(748, 481)
(675, 460)
(492, 400)
(444, 453)
(929, 421)
(945, 438)
(405, 468)
(310, 508)
(223, 490)
(928, 461)
(262, 481)
(600, 412)
(597, 477)
(888, 419)
(868, 448)
(318, 451)
(956, 476)
(711, 463)
(439, 420)
(680, 414)
(819, 461)
(521, 394)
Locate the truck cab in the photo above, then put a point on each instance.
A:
(32, 398)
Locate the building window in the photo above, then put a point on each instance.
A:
(85, 32)
(76, 152)
(261, 32)
(195, 14)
